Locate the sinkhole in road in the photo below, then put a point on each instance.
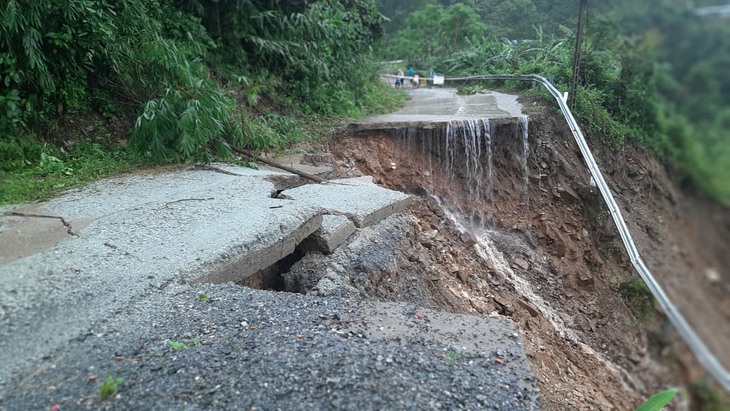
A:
(271, 278)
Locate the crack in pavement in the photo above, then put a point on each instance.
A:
(69, 229)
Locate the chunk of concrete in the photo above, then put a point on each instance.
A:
(335, 230)
(261, 252)
(364, 204)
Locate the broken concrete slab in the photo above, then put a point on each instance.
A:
(252, 261)
(364, 204)
(145, 232)
(335, 230)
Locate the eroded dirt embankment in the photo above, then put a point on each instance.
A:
(543, 251)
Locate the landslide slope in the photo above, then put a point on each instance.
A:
(549, 257)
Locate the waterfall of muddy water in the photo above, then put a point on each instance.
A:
(490, 180)
(473, 135)
(524, 123)
(461, 154)
(450, 140)
(488, 251)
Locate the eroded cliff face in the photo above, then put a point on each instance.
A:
(511, 225)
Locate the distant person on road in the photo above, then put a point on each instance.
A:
(431, 75)
(399, 79)
(412, 76)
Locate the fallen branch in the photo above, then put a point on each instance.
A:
(216, 169)
(280, 166)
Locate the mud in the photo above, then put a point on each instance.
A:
(545, 253)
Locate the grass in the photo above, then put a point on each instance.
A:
(109, 387)
(707, 397)
(453, 357)
(382, 98)
(659, 400)
(38, 171)
(183, 345)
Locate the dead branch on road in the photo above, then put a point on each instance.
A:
(280, 166)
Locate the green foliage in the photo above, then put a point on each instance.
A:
(435, 31)
(186, 123)
(453, 357)
(707, 397)
(597, 121)
(380, 98)
(638, 297)
(319, 50)
(109, 387)
(183, 345)
(659, 400)
(30, 170)
(59, 59)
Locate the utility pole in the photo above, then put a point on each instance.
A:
(582, 13)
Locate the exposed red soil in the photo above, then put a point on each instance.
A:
(561, 240)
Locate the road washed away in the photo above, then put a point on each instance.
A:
(131, 281)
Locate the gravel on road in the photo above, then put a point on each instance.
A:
(206, 346)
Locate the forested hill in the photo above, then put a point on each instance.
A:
(192, 73)
(187, 79)
(651, 71)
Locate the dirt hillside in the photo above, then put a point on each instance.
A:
(541, 249)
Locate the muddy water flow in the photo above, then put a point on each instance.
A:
(465, 150)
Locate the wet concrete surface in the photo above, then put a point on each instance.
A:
(429, 106)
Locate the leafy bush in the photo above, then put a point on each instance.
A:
(597, 120)
(189, 120)
(153, 57)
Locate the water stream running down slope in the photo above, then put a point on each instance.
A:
(524, 126)
(463, 152)
(467, 150)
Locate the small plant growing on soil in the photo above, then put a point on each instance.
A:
(707, 397)
(109, 387)
(183, 345)
(658, 401)
(203, 297)
(638, 296)
(452, 357)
